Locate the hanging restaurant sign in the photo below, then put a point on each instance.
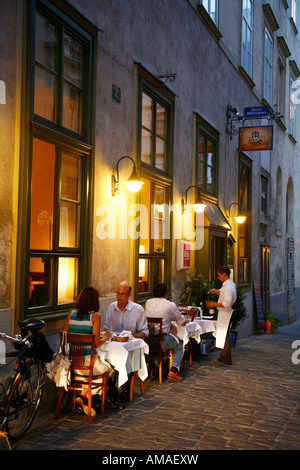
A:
(256, 138)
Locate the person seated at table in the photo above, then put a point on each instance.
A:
(123, 314)
(161, 307)
(86, 319)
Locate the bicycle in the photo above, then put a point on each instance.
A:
(21, 400)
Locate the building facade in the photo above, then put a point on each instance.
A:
(168, 85)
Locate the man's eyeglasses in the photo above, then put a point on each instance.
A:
(122, 293)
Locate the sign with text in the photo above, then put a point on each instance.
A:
(256, 112)
(256, 138)
(183, 255)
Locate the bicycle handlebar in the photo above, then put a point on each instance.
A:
(18, 340)
(27, 331)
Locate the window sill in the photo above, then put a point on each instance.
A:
(266, 103)
(294, 26)
(246, 77)
(281, 124)
(211, 26)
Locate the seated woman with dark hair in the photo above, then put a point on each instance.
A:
(87, 320)
(161, 307)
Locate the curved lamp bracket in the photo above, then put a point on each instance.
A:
(198, 206)
(133, 184)
(240, 218)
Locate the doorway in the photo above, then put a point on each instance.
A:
(265, 278)
(217, 255)
(291, 280)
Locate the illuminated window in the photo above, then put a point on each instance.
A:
(154, 133)
(244, 233)
(155, 160)
(206, 159)
(58, 84)
(59, 163)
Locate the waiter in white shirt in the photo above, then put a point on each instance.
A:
(227, 297)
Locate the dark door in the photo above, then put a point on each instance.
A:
(265, 278)
(217, 255)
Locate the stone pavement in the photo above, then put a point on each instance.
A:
(252, 405)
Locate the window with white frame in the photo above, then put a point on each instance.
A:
(263, 195)
(294, 10)
(211, 6)
(247, 32)
(268, 66)
(292, 127)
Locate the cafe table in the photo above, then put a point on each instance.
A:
(126, 357)
(206, 325)
(189, 330)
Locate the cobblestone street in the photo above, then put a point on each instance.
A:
(252, 405)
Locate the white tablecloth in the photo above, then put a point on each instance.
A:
(127, 357)
(206, 326)
(190, 330)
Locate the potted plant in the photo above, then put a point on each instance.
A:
(239, 314)
(271, 323)
(195, 290)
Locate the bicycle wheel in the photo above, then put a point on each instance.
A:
(23, 399)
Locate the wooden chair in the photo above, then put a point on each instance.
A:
(188, 347)
(190, 313)
(156, 352)
(135, 376)
(79, 382)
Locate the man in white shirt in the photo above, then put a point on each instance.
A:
(126, 315)
(160, 307)
(227, 297)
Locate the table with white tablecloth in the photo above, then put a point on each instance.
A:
(127, 357)
(206, 325)
(189, 330)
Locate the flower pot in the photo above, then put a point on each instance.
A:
(268, 326)
(233, 338)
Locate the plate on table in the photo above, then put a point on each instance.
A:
(120, 339)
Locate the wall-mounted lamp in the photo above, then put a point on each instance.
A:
(198, 206)
(133, 184)
(240, 218)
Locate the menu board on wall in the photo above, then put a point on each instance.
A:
(258, 302)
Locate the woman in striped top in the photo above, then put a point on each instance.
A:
(86, 319)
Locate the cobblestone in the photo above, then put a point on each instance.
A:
(252, 405)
